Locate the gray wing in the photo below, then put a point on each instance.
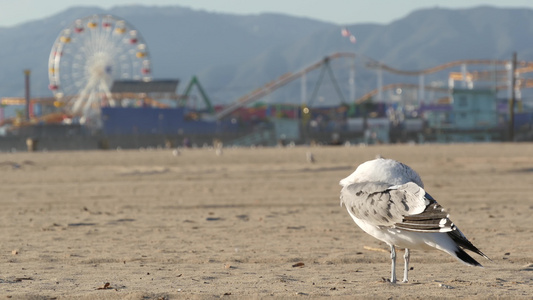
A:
(405, 206)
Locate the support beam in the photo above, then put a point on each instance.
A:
(380, 83)
(421, 89)
(27, 73)
(464, 74)
(512, 99)
(351, 81)
(303, 89)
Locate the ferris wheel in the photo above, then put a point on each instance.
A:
(89, 55)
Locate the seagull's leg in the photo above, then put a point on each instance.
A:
(406, 258)
(393, 266)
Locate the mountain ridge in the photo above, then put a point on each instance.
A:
(234, 54)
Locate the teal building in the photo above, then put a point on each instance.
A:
(474, 109)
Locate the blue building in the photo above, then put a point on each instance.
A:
(472, 115)
(474, 109)
(153, 120)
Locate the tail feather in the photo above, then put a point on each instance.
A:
(461, 241)
(467, 259)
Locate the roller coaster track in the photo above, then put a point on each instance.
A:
(523, 66)
(393, 86)
(483, 75)
(524, 83)
(277, 83)
(497, 75)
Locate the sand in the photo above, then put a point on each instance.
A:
(251, 223)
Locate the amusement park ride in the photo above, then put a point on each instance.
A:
(89, 55)
(86, 58)
(93, 53)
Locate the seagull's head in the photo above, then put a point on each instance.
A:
(383, 170)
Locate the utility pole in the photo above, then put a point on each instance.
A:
(512, 100)
(27, 73)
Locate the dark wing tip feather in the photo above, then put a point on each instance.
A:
(462, 242)
(464, 257)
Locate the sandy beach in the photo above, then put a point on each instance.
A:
(251, 223)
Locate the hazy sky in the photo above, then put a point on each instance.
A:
(13, 12)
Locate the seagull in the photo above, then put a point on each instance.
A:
(176, 152)
(387, 200)
(310, 157)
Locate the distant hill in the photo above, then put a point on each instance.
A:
(234, 54)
